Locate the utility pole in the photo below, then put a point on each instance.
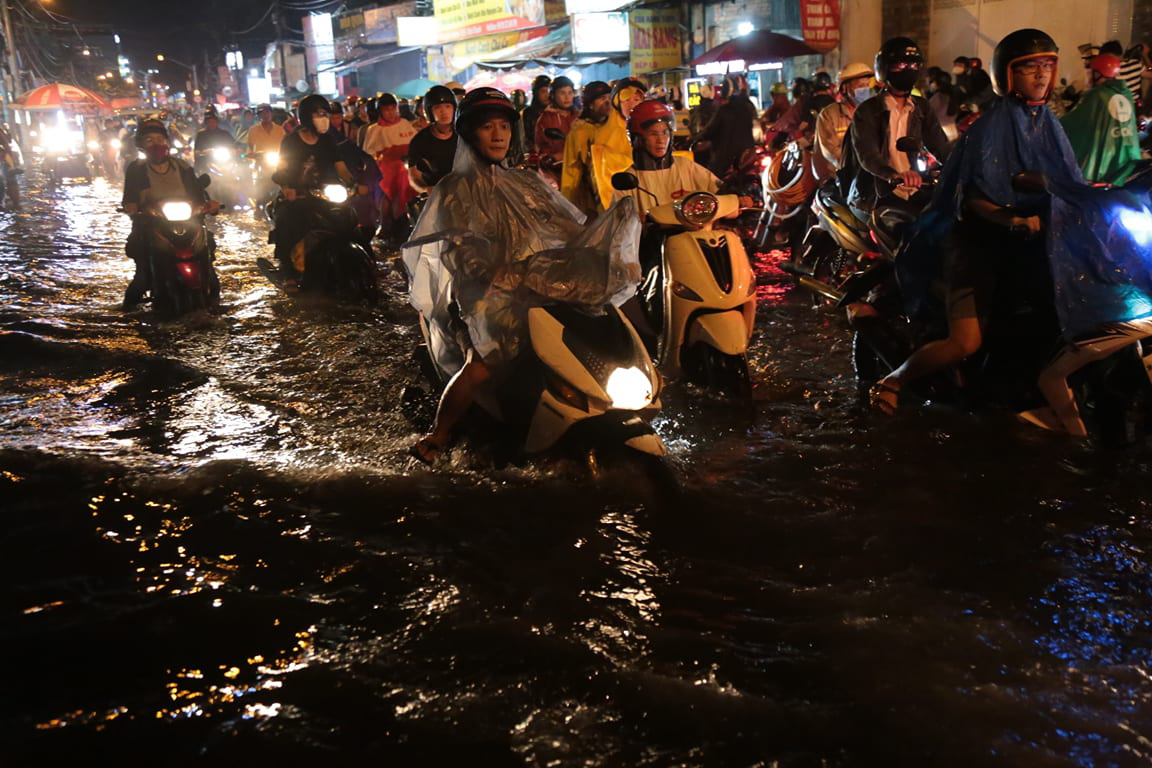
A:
(278, 20)
(13, 70)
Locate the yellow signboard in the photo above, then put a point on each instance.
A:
(655, 39)
(465, 53)
(461, 19)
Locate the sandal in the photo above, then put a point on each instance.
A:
(425, 450)
(884, 397)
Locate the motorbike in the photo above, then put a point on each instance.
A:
(1097, 385)
(223, 166)
(262, 165)
(745, 179)
(585, 381)
(181, 252)
(65, 155)
(702, 296)
(330, 258)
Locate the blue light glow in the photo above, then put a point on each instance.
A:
(1138, 223)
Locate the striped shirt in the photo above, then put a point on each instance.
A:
(1131, 72)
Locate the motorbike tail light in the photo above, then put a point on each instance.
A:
(190, 271)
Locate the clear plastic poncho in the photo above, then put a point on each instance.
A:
(1098, 241)
(498, 242)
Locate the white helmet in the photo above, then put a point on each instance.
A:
(852, 71)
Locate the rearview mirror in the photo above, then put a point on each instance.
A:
(555, 134)
(625, 181)
(204, 180)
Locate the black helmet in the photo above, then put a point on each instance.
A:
(149, 126)
(541, 81)
(335, 108)
(308, 106)
(439, 94)
(562, 82)
(623, 83)
(823, 81)
(386, 100)
(896, 50)
(479, 103)
(1019, 45)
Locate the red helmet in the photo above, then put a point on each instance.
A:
(1107, 64)
(648, 112)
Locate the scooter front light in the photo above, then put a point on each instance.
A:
(114, 143)
(93, 145)
(1138, 223)
(335, 193)
(177, 211)
(221, 155)
(629, 388)
(271, 159)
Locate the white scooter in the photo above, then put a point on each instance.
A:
(587, 378)
(703, 299)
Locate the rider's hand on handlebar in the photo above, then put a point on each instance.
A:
(909, 179)
(1028, 226)
(289, 193)
(746, 201)
(212, 206)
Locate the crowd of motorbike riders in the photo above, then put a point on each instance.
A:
(532, 169)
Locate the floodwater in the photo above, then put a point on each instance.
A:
(216, 551)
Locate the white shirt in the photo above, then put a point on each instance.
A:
(380, 137)
(669, 185)
(897, 129)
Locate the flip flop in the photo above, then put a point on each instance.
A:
(425, 450)
(877, 398)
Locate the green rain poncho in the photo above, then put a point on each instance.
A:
(1102, 131)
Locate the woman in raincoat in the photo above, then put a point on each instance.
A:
(493, 242)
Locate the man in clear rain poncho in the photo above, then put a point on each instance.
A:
(491, 244)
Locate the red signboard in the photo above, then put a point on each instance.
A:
(821, 20)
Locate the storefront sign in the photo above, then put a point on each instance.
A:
(417, 31)
(821, 23)
(655, 39)
(461, 19)
(380, 23)
(461, 55)
(592, 6)
(600, 32)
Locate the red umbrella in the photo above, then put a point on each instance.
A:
(63, 96)
(756, 47)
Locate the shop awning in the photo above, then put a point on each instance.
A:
(369, 55)
(554, 49)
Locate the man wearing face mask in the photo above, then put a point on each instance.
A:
(159, 176)
(855, 87)
(871, 160)
(309, 158)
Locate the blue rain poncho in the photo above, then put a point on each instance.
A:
(511, 242)
(1098, 241)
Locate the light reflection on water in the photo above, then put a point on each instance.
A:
(226, 525)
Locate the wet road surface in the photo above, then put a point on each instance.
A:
(215, 550)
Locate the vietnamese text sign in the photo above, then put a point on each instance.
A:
(460, 19)
(655, 39)
(821, 22)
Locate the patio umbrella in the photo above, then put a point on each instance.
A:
(413, 89)
(63, 96)
(756, 48)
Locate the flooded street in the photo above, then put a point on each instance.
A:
(216, 550)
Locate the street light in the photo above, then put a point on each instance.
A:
(192, 67)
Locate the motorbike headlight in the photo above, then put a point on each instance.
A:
(94, 145)
(1138, 223)
(177, 143)
(140, 155)
(221, 155)
(271, 159)
(335, 193)
(697, 209)
(177, 211)
(629, 388)
(114, 143)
